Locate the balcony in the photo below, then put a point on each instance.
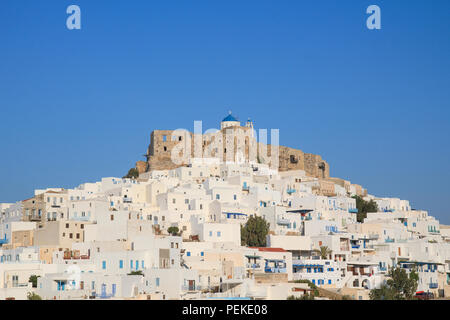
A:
(291, 191)
(191, 288)
(274, 270)
(85, 218)
(355, 246)
(253, 266)
(433, 285)
(283, 222)
(353, 210)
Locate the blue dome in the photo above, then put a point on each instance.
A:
(229, 118)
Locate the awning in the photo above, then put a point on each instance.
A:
(254, 257)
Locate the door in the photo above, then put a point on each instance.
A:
(113, 289)
(191, 285)
(103, 290)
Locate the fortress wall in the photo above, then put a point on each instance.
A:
(160, 151)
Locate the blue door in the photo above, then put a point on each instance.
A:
(113, 289)
(103, 290)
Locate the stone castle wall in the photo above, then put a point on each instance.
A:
(162, 142)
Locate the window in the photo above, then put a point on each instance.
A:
(164, 138)
(121, 264)
(67, 226)
(188, 253)
(217, 196)
(210, 233)
(234, 197)
(202, 253)
(131, 264)
(78, 236)
(218, 233)
(71, 235)
(103, 265)
(157, 282)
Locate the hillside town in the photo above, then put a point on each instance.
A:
(176, 231)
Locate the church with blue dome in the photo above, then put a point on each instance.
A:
(229, 121)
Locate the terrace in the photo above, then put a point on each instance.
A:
(275, 266)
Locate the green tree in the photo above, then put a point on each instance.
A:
(33, 279)
(136, 273)
(363, 207)
(399, 286)
(254, 233)
(323, 251)
(133, 173)
(173, 231)
(33, 296)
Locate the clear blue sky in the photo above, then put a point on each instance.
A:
(80, 105)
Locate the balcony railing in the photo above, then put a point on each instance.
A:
(274, 270)
(284, 222)
(290, 191)
(433, 285)
(191, 288)
(253, 266)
